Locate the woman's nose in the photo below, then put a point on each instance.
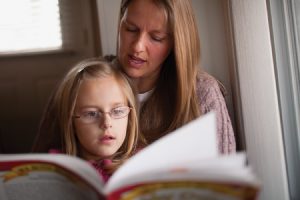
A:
(139, 43)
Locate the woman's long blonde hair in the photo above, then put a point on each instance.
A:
(174, 101)
(57, 127)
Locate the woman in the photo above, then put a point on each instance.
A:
(158, 47)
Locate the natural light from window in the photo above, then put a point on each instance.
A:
(29, 26)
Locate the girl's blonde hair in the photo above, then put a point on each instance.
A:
(174, 101)
(57, 127)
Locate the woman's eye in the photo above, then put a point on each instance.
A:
(157, 39)
(131, 29)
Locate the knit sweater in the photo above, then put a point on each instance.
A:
(211, 98)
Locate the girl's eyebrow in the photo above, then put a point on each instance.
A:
(87, 107)
(119, 104)
(92, 106)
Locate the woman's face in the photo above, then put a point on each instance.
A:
(99, 137)
(144, 42)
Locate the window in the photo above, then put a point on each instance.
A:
(285, 24)
(28, 76)
(29, 26)
(296, 16)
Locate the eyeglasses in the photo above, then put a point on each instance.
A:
(91, 117)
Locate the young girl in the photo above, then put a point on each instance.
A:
(93, 115)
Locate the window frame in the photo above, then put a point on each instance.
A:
(285, 49)
(256, 79)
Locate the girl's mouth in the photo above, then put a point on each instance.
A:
(107, 139)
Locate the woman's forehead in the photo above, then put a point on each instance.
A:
(146, 13)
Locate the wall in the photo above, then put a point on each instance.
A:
(108, 19)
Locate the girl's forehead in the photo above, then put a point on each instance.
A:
(99, 82)
(101, 90)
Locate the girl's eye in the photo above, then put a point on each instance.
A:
(120, 112)
(117, 111)
(91, 114)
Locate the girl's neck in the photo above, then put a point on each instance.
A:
(89, 157)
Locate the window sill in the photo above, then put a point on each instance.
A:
(36, 53)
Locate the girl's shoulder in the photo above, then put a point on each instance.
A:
(54, 151)
(100, 167)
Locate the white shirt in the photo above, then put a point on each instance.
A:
(142, 97)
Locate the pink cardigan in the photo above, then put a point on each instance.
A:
(211, 98)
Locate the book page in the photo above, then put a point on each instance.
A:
(227, 168)
(48, 176)
(193, 141)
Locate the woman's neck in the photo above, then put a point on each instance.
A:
(144, 86)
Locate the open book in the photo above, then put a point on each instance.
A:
(182, 165)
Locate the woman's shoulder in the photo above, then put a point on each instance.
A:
(207, 84)
(210, 92)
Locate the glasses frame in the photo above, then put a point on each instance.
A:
(102, 114)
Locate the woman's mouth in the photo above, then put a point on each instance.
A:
(136, 62)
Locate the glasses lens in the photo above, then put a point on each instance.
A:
(94, 116)
(120, 112)
(91, 117)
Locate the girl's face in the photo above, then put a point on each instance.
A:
(103, 137)
(144, 42)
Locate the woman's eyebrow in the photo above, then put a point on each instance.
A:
(129, 22)
(160, 32)
(156, 31)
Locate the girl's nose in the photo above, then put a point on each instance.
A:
(107, 122)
